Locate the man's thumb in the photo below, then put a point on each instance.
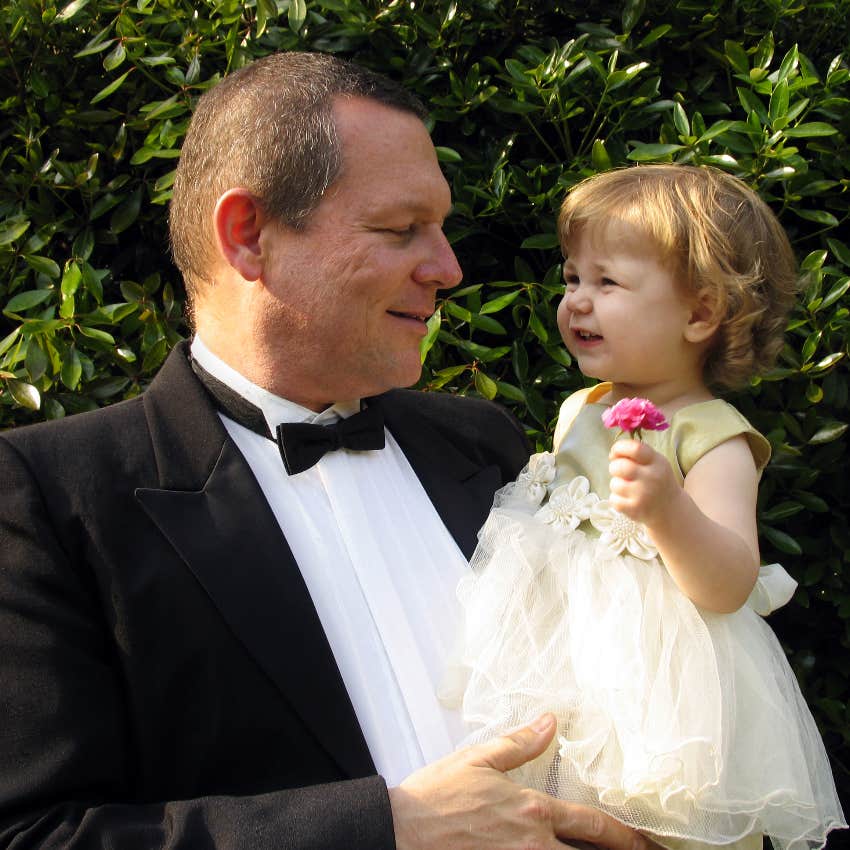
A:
(512, 750)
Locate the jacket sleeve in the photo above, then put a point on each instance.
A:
(67, 765)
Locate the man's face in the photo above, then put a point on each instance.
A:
(347, 297)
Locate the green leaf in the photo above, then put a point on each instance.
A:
(814, 260)
(783, 510)
(632, 11)
(26, 300)
(789, 63)
(13, 231)
(716, 129)
(484, 385)
(599, 158)
(96, 45)
(126, 213)
(828, 432)
(70, 10)
(9, 340)
(778, 107)
(43, 265)
(839, 250)
(647, 153)
(619, 78)
(654, 35)
(433, 328)
(99, 335)
(721, 161)
(511, 392)
(26, 395)
(297, 14)
(543, 241)
(447, 154)
(500, 302)
(72, 369)
(680, 120)
(155, 61)
(83, 244)
(110, 89)
(107, 387)
(454, 309)
(810, 130)
(115, 57)
(537, 327)
(35, 361)
(53, 409)
(267, 11)
(68, 307)
(781, 541)
(764, 51)
(71, 279)
(737, 56)
(820, 216)
(838, 291)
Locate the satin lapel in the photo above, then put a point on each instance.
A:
(213, 513)
(460, 490)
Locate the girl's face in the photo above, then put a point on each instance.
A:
(624, 317)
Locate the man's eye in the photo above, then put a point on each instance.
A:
(401, 231)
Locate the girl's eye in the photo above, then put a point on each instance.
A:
(606, 281)
(571, 281)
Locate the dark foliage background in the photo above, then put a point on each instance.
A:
(527, 97)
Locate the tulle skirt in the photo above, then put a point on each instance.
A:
(680, 722)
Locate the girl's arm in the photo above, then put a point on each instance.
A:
(705, 532)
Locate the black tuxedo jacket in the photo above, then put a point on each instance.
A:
(164, 678)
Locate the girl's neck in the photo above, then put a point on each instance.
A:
(668, 397)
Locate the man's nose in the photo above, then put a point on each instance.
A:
(441, 269)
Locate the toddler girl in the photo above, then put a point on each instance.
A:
(617, 581)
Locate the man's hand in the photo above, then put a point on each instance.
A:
(643, 486)
(465, 802)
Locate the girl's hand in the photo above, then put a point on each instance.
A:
(643, 486)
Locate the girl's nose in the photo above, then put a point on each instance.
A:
(576, 300)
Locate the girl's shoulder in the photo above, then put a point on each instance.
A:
(698, 428)
(572, 406)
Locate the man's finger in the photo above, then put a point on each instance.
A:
(575, 823)
(511, 751)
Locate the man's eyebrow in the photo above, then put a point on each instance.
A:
(411, 205)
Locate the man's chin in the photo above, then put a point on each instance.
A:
(405, 373)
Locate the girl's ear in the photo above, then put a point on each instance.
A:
(238, 221)
(704, 319)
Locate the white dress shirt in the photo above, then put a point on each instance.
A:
(381, 569)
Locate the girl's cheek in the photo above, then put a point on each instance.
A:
(563, 318)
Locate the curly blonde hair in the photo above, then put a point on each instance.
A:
(719, 238)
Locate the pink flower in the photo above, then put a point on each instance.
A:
(634, 415)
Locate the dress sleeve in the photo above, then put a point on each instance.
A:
(700, 427)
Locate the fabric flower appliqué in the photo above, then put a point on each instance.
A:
(534, 481)
(618, 532)
(569, 505)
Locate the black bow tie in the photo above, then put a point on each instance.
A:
(301, 444)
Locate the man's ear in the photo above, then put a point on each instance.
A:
(238, 221)
(704, 319)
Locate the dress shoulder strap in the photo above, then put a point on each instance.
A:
(571, 407)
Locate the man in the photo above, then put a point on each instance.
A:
(202, 648)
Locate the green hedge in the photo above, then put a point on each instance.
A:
(527, 97)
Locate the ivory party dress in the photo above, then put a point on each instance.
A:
(681, 722)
